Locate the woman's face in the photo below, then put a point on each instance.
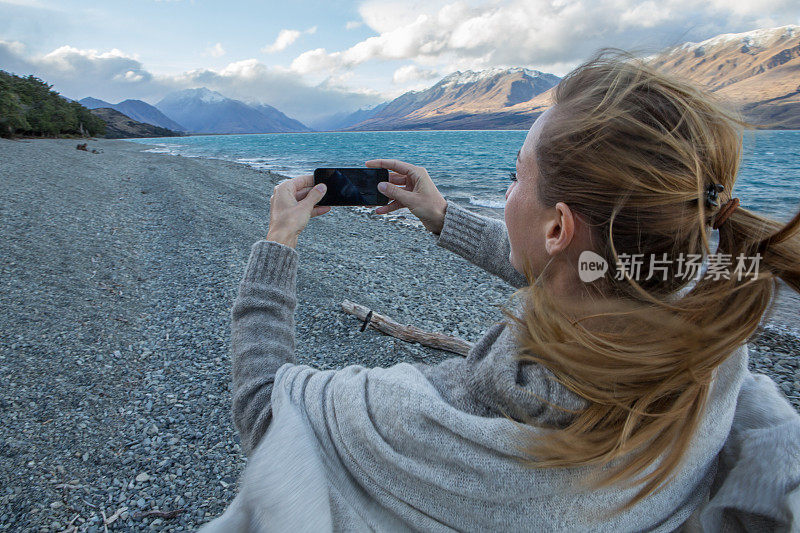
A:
(525, 216)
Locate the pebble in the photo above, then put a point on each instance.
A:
(127, 349)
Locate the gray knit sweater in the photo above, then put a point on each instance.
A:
(422, 447)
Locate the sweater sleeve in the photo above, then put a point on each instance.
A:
(757, 485)
(480, 240)
(262, 335)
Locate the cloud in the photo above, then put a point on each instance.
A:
(115, 75)
(12, 57)
(286, 38)
(252, 81)
(316, 60)
(542, 34)
(411, 73)
(73, 64)
(130, 76)
(13, 47)
(353, 24)
(216, 51)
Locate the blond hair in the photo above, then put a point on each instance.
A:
(632, 150)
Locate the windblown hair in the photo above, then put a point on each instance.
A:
(631, 150)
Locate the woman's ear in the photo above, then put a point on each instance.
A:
(560, 229)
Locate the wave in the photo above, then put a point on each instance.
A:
(485, 202)
(272, 164)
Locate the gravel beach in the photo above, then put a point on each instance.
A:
(118, 274)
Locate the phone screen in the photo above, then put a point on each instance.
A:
(352, 186)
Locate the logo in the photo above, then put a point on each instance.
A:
(591, 266)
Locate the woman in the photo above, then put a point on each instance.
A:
(620, 403)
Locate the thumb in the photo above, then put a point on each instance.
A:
(315, 195)
(394, 192)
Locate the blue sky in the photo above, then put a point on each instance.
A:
(312, 58)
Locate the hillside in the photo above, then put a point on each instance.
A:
(279, 119)
(119, 126)
(137, 110)
(29, 107)
(757, 70)
(488, 99)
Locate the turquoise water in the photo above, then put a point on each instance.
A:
(472, 166)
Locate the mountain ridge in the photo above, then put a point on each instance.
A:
(766, 90)
(202, 110)
(758, 72)
(137, 110)
(121, 126)
(465, 100)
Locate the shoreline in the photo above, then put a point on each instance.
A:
(120, 269)
(163, 148)
(786, 302)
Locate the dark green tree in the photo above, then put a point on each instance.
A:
(29, 106)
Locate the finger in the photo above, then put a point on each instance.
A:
(314, 195)
(396, 178)
(320, 210)
(394, 205)
(302, 182)
(401, 194)
(401, 167)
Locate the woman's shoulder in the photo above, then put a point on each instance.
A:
(401, 376)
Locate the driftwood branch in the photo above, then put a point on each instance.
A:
(382, 323)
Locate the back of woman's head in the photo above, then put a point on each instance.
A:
(633, 151)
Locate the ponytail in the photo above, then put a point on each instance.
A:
(632, 150)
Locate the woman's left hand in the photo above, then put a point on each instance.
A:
(291, 206)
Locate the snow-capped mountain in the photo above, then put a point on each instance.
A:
(760, 38)
(466, 100)
(756, 71)
(462, 78)
(204, 111)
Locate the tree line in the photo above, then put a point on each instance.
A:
(29, 107)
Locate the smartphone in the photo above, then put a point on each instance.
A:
(352, 186)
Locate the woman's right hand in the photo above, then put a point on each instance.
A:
(420, 195)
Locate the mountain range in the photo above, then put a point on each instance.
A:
(120, 126)
(757, 71)
(205, 111)
(136, 110)
(488, 99)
